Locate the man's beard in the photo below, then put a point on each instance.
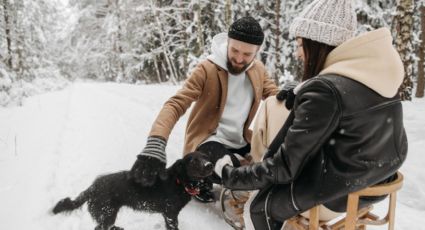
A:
(235, 70)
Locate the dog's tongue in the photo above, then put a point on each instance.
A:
(192, 191)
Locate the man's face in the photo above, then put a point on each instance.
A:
(240, 55)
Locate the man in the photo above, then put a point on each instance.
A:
(227, 89)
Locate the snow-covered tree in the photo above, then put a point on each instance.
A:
(404, 24)
(421, 50)
(29, 29)
(5, 34)
(373, 14)
(162, 40)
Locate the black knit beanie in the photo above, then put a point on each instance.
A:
(248, 30)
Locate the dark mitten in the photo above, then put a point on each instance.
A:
(290, 99)
(288, 96)
(150, 163)
(287, 93)
(281, 96)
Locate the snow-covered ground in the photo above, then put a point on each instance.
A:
(57, 143)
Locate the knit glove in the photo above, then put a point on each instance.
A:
(150, 163)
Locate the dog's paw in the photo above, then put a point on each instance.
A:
(116, 228)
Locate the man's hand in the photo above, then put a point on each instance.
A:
(150, 164)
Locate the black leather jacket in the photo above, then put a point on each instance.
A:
(344, 137)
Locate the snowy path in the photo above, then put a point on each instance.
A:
(57, 143)
(65, 139)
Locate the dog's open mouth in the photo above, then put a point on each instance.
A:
(193, 188)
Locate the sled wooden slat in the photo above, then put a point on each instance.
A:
(314, 218)
(356, 219)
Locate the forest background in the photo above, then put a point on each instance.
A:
(47, 44)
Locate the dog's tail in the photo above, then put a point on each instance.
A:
(67, 205)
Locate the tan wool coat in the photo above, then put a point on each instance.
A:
(270, 119)
(207, 86)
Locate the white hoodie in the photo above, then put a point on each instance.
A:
(238, 102)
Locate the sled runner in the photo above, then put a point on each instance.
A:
(232, 203)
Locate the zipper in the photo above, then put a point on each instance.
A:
(266, 209)
(293, 197)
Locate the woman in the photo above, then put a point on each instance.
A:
(346, 130)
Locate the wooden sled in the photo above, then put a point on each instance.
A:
(355, 219)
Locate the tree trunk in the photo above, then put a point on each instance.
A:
(228, 13)
(158, 74)
(7, 21)
(163, 45)
(278, 47)
(21, 64)
(404, 24)
(185, 57)
(421, 74)
(186, 51)
(119, 41)
(199, 29)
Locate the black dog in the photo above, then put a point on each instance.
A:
(110, 192)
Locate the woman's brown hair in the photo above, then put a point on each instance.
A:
(315, 56)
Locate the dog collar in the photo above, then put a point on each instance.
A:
(191, 190)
